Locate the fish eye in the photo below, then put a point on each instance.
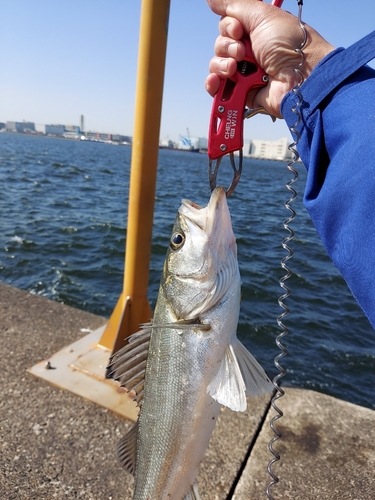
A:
(177, 240)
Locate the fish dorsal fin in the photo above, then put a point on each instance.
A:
(239, 374)
(127, 448)
(255, 378)
(193, 493)
(128, 364)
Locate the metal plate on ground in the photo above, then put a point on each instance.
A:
(80, 368)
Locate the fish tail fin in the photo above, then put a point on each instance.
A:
(193, 493)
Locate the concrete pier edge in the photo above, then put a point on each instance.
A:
(55, 444)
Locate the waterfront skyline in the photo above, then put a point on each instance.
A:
(64, 60)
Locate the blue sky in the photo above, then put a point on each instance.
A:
(59, 60)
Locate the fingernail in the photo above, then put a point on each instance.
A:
(223, 65)
(233, 50)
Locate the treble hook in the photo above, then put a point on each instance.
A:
(212, 172)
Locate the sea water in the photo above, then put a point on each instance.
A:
(63, 208)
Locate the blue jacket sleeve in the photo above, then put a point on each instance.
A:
(337, 146)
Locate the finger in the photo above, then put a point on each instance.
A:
(231, 28)
(221, 7)
(268, 97)
(227, 47)
(217, 6)
(260, 98)
(224, 67)
(212, 83)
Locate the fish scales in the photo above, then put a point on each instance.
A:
(175, 383)
(195, 362)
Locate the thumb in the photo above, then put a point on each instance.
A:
(248, 12)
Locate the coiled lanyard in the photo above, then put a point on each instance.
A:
(226, 138)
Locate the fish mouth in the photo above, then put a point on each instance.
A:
(191, 204)
(214, 219)
(216, 196)
(202, 216)
(219, 223)
(193, 212)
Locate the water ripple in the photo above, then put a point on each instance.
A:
(64, 233)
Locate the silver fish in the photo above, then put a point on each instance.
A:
(188, 362)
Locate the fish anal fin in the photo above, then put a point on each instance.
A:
(228, 387)
(255, 378)
(127, 449)
(193, 493)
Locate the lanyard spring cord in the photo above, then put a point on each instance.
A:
(290, 166)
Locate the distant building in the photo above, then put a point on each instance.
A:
(192, 143)
(21, 127)
(71, 135)
(98, 136)
(268, 150)
(73, 128)
(11, 126)
(125, 139)
(92, 136)
(104, 137)
(27, 127)
(55, 129)
(66, 131)
(166, 143)
(41, 129)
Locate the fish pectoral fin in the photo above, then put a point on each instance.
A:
(193, 493)
(127, 449)
(239, 375)
(128, 364)
(255, 378)
(228, 387)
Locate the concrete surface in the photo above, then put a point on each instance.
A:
(56, 445)
(327, 451)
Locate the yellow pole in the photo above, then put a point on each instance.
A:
(132, 307)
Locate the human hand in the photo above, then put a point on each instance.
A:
(274, 35)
